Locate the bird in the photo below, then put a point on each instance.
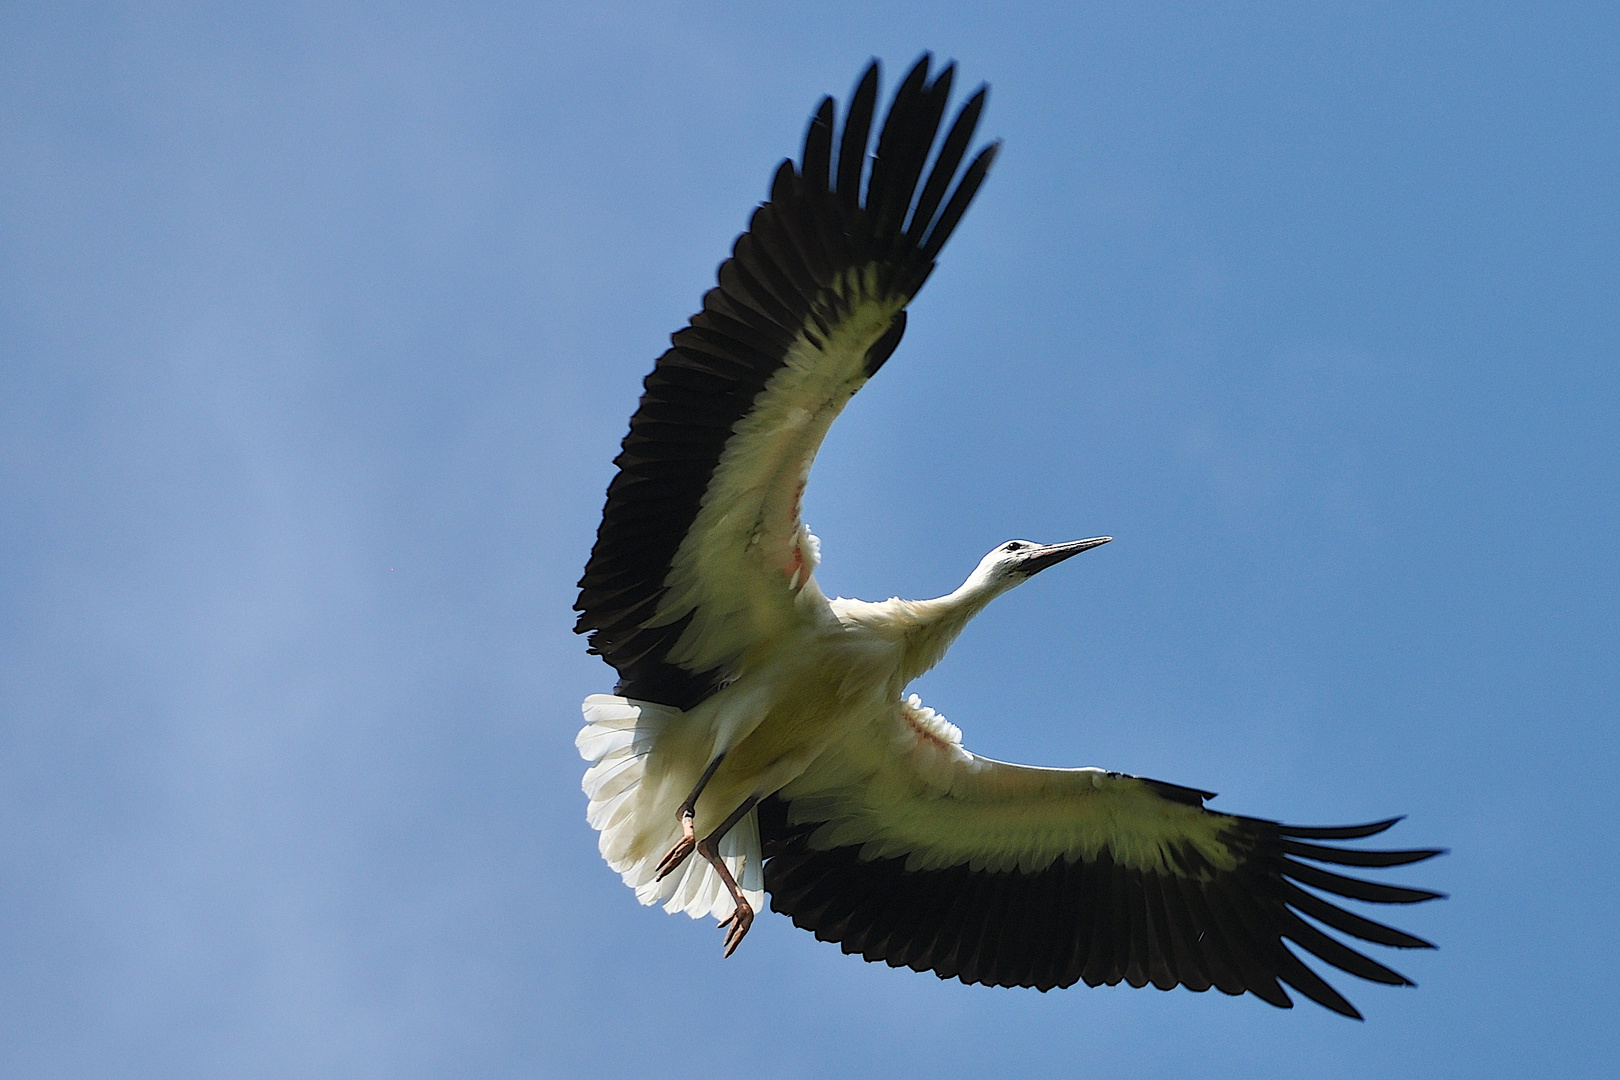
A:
(765, 728)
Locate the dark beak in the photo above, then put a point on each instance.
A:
(1053, 554)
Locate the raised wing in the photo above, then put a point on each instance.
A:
(905, 848)
(701, 553)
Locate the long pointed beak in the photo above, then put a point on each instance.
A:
(1053, 554)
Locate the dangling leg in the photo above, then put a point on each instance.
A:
(683, 847)
(743, 917)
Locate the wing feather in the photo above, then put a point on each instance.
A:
(701, 552)
(950, 156)
(1348, 922)
(817, 156)
(1352, 857)
(857, 129)
(904, 847)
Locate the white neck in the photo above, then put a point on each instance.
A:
(932, 625)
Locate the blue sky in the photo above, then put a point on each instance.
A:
(319, 330)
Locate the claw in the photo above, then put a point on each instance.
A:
(737, 923)
(677, 855)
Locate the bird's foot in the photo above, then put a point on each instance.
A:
(677, 855)
(737, 925)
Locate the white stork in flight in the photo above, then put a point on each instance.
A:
(766, 727)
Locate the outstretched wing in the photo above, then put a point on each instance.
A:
(701, 552)
(905, 848)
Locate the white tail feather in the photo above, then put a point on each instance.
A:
(617, 737)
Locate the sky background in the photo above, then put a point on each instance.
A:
(319, 330)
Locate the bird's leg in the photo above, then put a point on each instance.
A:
(743, 917)
(683, 847)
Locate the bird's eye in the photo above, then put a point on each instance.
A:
(1014, 545)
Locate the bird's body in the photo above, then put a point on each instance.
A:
(790, 701)
(766, 727)
(834, 675)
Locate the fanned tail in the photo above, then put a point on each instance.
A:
(618, 736)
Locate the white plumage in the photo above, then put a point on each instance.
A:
(617, 737)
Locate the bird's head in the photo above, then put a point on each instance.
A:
(1015, 562)
(938, 621)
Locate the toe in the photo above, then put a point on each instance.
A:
(737, 927)
(676, 856)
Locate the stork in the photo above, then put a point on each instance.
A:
(765, 727)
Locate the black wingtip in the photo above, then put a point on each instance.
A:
(1296, 973)
(1355, 888)
(857, 133)
(950, 156)
(889, 189)
(958, 204)
(782, 181)
(1357, 856)
(1339, 832)
(1348, 922)
(816, 165)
